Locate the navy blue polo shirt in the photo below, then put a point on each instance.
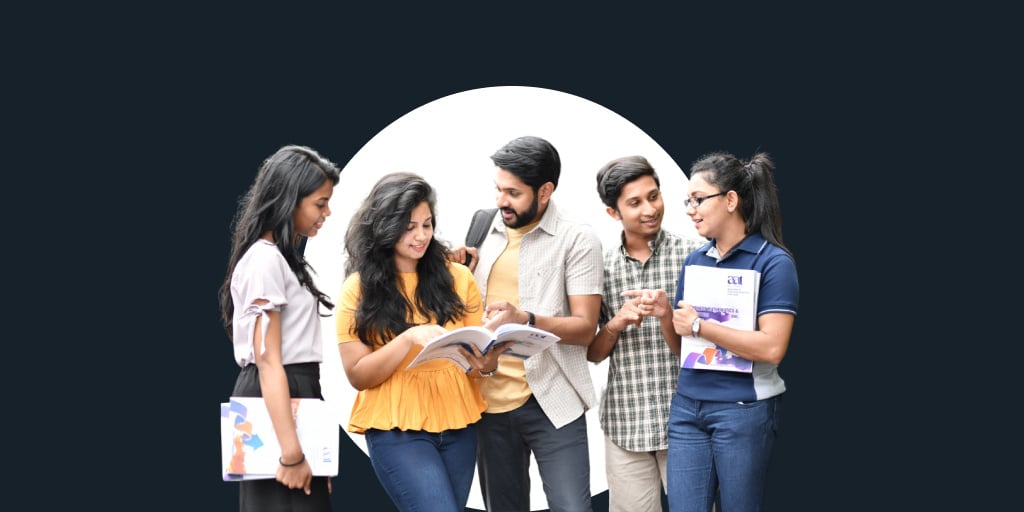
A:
(778, 293)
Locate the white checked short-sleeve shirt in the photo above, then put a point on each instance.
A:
(558, 258)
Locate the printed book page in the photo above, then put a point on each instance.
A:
(721, 295)
(527, 341)
(249, 446)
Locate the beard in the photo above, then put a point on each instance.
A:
(522, 218)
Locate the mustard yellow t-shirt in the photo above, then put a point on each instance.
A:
(434, 396)
(507, 389)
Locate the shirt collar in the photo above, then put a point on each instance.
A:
(753, 243)
(654, 243)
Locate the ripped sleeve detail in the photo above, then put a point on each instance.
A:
(252, 312)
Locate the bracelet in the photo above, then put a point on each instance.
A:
(610, 331)
(488, 374)
(293, 464)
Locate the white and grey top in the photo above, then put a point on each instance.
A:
(263, 273)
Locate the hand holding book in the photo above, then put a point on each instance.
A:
(484, 364)
(721, 295)
(249, 445)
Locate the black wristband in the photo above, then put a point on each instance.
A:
(532, 320)
(293, 464)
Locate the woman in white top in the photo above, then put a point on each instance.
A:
(271, 307)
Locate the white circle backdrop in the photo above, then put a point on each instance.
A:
(449, 142)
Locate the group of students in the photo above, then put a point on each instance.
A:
(693, 434)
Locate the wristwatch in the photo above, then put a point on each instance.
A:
(695, 327)
(532, 320)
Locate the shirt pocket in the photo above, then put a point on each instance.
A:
(545, 294)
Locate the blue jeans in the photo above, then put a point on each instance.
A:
(720, 445)
(563, 460)
(424, 470)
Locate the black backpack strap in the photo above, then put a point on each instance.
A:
(478, 228)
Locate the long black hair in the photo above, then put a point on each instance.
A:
(753, 182)
(376, 227)
(284, 179)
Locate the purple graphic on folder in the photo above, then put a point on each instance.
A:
(716, 356)
(718, 316)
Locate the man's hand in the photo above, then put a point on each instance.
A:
(503, 312)
(465, 255)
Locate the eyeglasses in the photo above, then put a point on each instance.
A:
(697, 200)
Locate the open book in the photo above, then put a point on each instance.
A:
(723, 295)
(249, 447)
(526, 341)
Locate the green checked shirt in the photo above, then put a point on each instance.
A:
(642, 371)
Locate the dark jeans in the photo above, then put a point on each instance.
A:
(424, 470)
(720, 445)
(503, 460)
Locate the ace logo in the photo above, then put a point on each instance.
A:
(737, 280)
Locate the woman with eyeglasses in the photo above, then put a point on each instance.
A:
(722, 424)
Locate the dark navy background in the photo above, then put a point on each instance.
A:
(132, 134)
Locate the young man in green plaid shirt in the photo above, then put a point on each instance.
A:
(642, 372)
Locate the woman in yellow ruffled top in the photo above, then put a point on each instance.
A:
(400, 292)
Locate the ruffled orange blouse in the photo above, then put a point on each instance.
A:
(435, 396)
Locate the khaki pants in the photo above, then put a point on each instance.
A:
(635, 479)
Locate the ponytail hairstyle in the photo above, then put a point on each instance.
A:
(284, 179)
(376, 227)
(753, 182)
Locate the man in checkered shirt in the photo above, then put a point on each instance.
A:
(643, 370)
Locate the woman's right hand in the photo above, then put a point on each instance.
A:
(366, 368)
(421, 334)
